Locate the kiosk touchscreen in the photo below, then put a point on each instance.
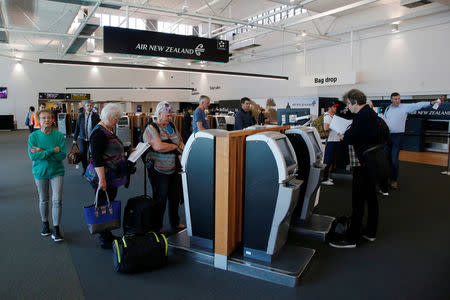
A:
(198, 177)
(220, 122)
(123, 129)
(271, 193)
(62, 123)
(308, 151)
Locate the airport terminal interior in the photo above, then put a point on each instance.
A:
(301, 148)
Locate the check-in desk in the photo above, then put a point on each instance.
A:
(198, 177)
(271, 193)
(308, 151)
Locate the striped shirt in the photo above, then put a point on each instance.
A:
(163, 162)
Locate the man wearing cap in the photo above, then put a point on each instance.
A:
(332, 143)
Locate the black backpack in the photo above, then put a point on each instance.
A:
(383, 133)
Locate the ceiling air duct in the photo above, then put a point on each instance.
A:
(414, 3)
(244, 45)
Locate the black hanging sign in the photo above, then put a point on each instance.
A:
(52, 96)
(78, 96)
(152, 43)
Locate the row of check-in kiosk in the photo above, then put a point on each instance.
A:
(281, 182)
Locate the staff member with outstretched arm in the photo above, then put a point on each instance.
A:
(395, 116)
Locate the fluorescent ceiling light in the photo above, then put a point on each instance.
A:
(147, 67)
(126, 88)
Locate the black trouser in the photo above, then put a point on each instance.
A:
(31, 128)
(363, 190)
(84, 149)
(106, 236)
(165, 186)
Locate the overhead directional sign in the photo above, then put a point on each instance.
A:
(152, 43)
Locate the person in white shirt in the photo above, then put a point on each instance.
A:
(395, 116)
(333, 142)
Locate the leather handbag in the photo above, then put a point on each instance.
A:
(74, 156)
(102, 217)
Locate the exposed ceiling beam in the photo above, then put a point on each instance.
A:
(331, 12)
(46, 33)
(80, 28)
(197, 15)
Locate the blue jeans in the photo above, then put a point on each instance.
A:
(392, 152)
(330, 150)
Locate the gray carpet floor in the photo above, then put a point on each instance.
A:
(409, 260)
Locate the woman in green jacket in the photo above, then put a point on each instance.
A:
(47, 150)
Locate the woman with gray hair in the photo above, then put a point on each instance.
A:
(107, 169)
(166, 144)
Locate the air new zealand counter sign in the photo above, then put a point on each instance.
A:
(151, 43)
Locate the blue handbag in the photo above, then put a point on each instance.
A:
(103, 217)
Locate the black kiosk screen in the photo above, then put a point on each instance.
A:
(123, 121)
(313, 139)
(286, 151)
(221, 120)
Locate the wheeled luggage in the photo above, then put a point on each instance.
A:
(141, 215)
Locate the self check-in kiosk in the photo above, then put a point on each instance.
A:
(198, 177)
(307, 145)
(220, 122)
(62, 123)
(271, 193)
(123, 129)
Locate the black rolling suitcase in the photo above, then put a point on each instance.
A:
(142, 214)
(136, 253)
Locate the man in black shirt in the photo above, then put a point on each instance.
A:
(244, 118)
(363, 135)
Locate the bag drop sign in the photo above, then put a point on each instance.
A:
(151, 43)
(329, 79)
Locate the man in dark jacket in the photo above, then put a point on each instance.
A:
(186, 128)
(85, 123)
(363, 135)
(244, 118)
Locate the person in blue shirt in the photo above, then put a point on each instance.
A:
(244, 118)
(200, 122)
(395, 116)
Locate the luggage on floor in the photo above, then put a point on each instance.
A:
(142, 214)
(339, 228)
(135, 253)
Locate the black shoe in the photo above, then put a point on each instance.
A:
(45, 229)
(56, 236)
(344, 244)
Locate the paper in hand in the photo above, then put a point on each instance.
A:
(140, 149)
(340, 125)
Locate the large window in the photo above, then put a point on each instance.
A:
(120, 21)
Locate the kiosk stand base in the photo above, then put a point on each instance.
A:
(285, 269)
(317, 227)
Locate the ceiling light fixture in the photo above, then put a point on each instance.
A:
(304, 33)
(109, 57)
(126, 88)
(148, 67)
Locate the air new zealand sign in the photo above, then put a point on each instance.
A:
(151, 43)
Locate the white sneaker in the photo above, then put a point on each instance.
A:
(328, 182)
(384, 193)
